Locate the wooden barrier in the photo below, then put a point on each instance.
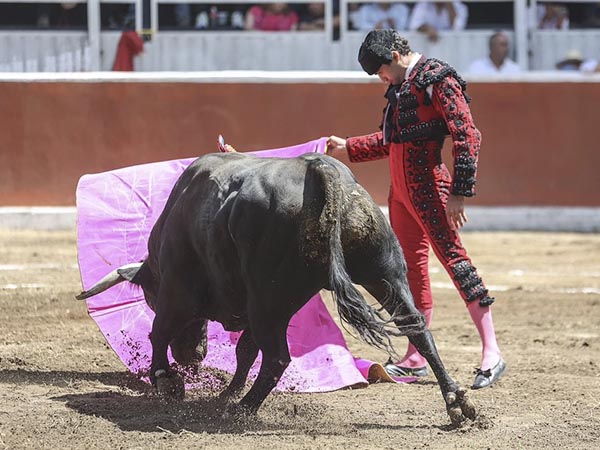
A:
(539, 139)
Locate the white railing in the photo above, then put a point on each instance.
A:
(31, 51)
(45, 51)
(58, 50)
(49, 51)
(550, 46)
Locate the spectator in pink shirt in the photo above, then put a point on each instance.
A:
(271, 17)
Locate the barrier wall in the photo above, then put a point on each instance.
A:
(540, 143)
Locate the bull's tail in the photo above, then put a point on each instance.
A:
(352, 307)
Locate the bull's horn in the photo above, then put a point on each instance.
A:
(126, 272)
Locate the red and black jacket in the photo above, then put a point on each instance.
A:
(411, 115)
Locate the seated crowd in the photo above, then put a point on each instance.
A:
(425, 16)
(422, 16)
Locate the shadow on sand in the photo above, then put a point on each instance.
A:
(132, 405)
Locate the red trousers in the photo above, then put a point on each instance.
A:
(417, 206)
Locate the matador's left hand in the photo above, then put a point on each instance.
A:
(455, 211)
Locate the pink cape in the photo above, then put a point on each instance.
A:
(115, 213)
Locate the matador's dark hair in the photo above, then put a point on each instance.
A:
(377, 49)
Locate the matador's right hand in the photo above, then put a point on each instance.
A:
(335, 145)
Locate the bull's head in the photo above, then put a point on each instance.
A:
(136, 273)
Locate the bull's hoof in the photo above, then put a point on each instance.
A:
(455, 414)
(466, 405)
(239, 412)
(170, 387)
(459, 406)
(228, 394)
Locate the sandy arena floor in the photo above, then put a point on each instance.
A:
(62, 387)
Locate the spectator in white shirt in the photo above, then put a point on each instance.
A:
(497, 62)
(430, 18)
(379, 16)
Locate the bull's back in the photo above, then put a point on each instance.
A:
(229, 198)
(245, 204)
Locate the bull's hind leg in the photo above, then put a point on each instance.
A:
(398, 301)
(270, 336)
(246, 352)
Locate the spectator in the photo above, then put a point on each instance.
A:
(43, 16)
(571, 62)
(183, 15)
(379, 16)
(590, 66)
(223, 17)
(276, 16)
(63, 15)
(130, 45)
(430, 18)
(497, 62)
(353, 16)
(549, 16)
(312, 17)
(71, 15)
(575, 61)
(113, 16)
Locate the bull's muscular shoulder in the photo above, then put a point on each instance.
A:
(223, 167)
(211, 160)
(433, 71)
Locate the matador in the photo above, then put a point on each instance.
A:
(426, 102)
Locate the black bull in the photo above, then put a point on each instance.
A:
(247, 241)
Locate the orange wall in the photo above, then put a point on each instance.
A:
(539, 139)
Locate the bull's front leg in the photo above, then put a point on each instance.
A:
(167, 382)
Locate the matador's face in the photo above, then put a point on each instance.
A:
(394, 72)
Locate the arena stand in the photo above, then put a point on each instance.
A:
(46, 50)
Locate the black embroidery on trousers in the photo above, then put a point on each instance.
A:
(470, 283)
